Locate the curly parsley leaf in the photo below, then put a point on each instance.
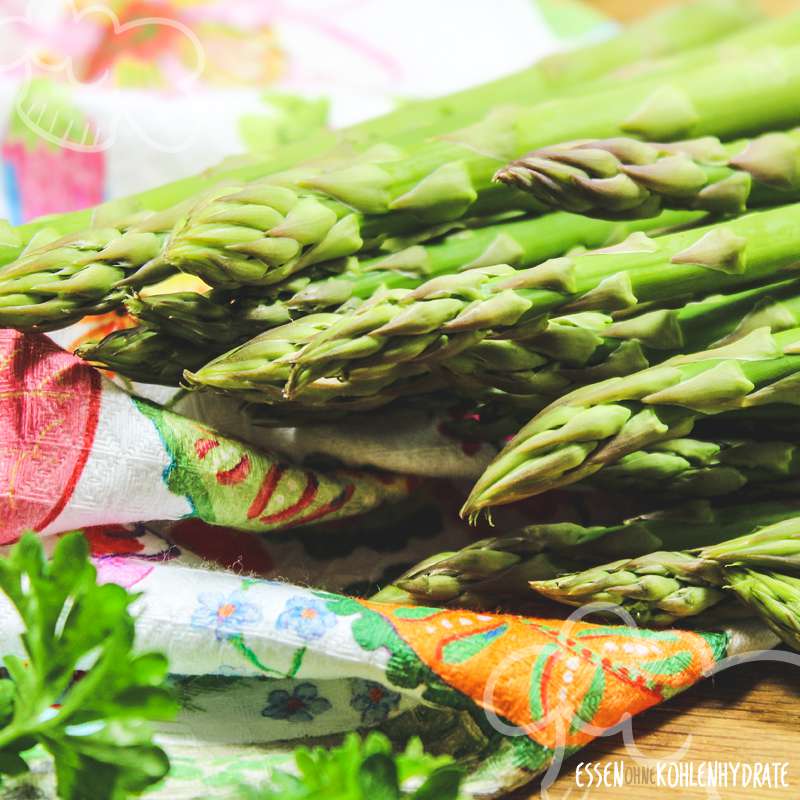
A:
(366, 770)
(96, 727)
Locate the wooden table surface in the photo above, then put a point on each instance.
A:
(750, 713)
(747, 714)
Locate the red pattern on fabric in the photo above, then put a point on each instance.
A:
(107, 540)
(328, 508)
(266, 491)
(225, 546)
(202, 447)
(306, 499)
(49, 408)
(234, 475)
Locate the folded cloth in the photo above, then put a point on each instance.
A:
(265, 662)
(417, 442)
(78, 451)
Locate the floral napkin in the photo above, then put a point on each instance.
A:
(260, 661)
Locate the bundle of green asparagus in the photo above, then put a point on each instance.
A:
(448, 314)
(221, 318)
(494, 571)
(660, 588)
(81, 272)
(597, 425)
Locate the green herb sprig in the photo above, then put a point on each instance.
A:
(366, 770)
(96, 726)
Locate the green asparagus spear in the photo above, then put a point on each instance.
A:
(491, 571)
(149, 356)
(480, 576)
(761, 568)
(705, 468)
(774, 597)
(663, 587)
(210, 321)
(774, 547)
(141, 354)
(623, 178)
(597, 425)
(259, 234)
(448, 314)
(260, 375)
(55, 282)
(520, 242)
(257, 362)
(657, 589)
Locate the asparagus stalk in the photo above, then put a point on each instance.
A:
(597, 425)
(491, 571)
(260, 234)
(257, 363)
(657, 589)
(152, 357)
(774, 597)
(53, 285)
(448, 314)
(663, 587)
(703, 468)
(257, 372)
(211, 321)
(776, 547)
(141, 354)
(756, 567)
(149, 356)
(107, 260)
(623, 178)
(480, 576)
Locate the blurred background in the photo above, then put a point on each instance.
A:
(626, 9)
